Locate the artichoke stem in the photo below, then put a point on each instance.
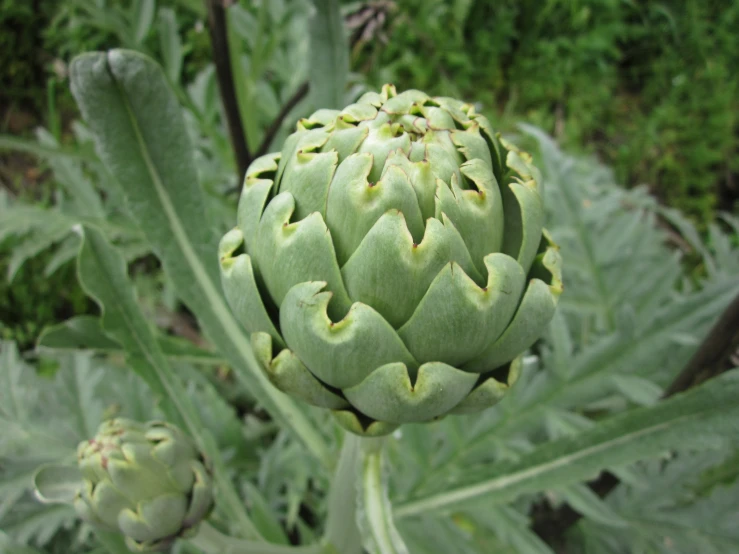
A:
(377, 519)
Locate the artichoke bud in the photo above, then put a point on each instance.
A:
(145, 480)
(390, 262)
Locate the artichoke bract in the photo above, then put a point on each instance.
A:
(146, 481)
(390, 263)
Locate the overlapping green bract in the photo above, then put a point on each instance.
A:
(146, 481)
(390, 263)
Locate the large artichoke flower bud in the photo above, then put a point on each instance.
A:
(390, 263)
(146, 481)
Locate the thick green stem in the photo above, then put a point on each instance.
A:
(342, 534)
(212, 541)
(380, 533)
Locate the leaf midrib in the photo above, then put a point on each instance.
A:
(150, 351)
(518, 416)
(222, 313)
(500, 483)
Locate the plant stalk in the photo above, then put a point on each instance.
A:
(380, 532)
(217, 26)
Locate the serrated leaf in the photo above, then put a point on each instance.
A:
(669, 515)
(578, 357)
(142, 139)
(102, 273)
(38, 523)
(611, 355)
(14, 486)
(704, 416)
(42, 421)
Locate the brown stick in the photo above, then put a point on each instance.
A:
(712, 358)
(271, 131)
(218, 37)
(302, 91)
(713, 355)
(224, 74)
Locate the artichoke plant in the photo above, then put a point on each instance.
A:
(390, 263)
(146, 481)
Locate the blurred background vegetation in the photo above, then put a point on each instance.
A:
(649, 88)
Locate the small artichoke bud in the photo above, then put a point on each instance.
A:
(145, 480)
(390, 263)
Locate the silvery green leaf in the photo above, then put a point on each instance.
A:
(141, 138)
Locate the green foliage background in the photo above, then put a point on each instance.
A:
(648, 86)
